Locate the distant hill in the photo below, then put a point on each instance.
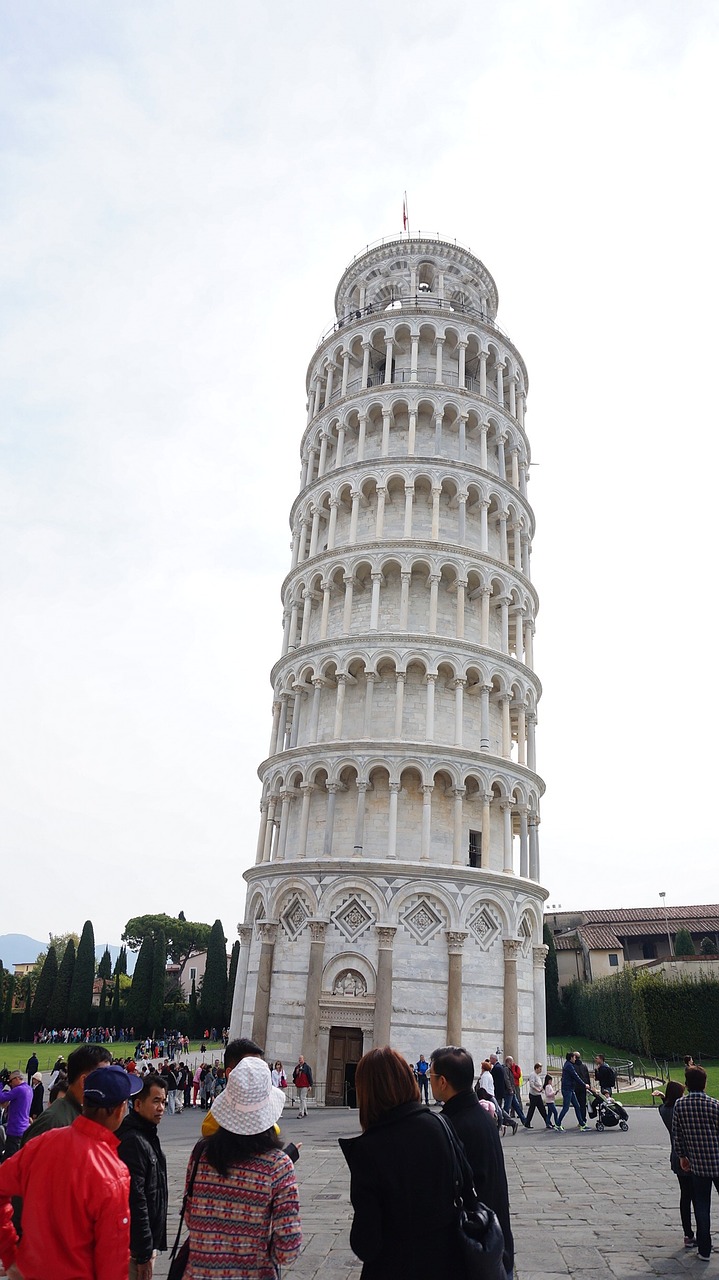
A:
(18, 948)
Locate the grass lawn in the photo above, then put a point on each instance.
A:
(15, 1056)
(639, 1097)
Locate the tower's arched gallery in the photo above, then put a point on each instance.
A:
(395, 896)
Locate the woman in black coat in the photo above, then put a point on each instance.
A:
(401, 1177)
(674, 1091)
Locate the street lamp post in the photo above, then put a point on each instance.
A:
(663, 897)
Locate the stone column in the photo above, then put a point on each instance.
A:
(458, 711)
(499, 440)
(534, 848)
(238, 995)
(359, 818)
(400, 677)
(374, 607)
(486, 595)
(267, 930)
(433, 580)
(306, 788)
(354, 515)
(430, 681)
(506, 807)
(269, 829)
(438, 433)
(326, 596)
(462, 351)
(539, 957)
(412, 432)
(276, 710)
(455, 946)
(531, 740)
(500, 382)
(339, 706)
(461, 518)
(486, 827)
(483, 446)
(365, 362)
(347, 611)
(436, 492)
(314, 532)
(383, 1002)
(438, 370)
(505, 700)
(332, 531)
(483, 380)
(388, 360)
(343, 390)
(512, 952)
(285, 797)
(386, 423)
(405, 579)
(339, 456)
(379, 523)
(461, 598)
(324, 437)
(394, 790)
(370, 679)
(426, 821)
(332, 789)
(311, 1028)
(361, 436)
(524, 846)
(484, 692)
(261, 833)
(414, 358)
(458, 843)
(408, 500)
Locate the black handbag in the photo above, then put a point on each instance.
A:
(180, 1257)
(479, 1235)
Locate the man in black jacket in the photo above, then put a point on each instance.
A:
(451, 1076)
(141, 1151)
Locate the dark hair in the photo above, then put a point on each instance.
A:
(482, 1094)
(456, 1065)
(673, 1091)
(97, 1112)
(569, 1055)
(547, 1079)
(383, 1080)
(60, 1086)
(688, 1060)
(83, 1060)
(239, 1049)
(696, 1078)
(225, 1149)
(151, 1082)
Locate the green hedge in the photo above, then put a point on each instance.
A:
(639, 1010)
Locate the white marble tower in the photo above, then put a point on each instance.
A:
(395, 896)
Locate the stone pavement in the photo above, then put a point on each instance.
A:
(586, 1205)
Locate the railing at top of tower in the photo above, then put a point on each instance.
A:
(407, 239)
(418, 302)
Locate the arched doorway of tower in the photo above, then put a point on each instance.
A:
(347, 1013)
(345, 1051)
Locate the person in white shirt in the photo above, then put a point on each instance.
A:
(536, 1101)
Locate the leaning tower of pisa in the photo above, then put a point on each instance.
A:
(395, 896)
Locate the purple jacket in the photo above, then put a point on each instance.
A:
(18, 1111)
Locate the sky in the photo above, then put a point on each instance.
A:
(181, 187)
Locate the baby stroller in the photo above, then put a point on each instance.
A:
(608, 1112)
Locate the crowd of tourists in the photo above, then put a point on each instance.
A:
(241, 1204)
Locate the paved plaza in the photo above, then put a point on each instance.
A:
(586, 1205)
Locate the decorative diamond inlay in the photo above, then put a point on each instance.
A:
(525, 935)
(353, 918)
(485, 926)
(294, 917)
(422, 921)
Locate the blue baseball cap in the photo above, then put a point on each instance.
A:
(109, 1086)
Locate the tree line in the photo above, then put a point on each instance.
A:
(59, 991)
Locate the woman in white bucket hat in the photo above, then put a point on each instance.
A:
(244, 1211)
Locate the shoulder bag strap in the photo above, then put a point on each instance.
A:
(462, 1171)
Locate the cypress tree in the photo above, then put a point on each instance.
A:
(104, 969)
(234, 961)
(156, 1013)
(117, 1020)
(121, 962)
(79, 1005)
(57, 1009)
(7, 1011)
(138, 1000)
(45, 988)
(684, 943)
(214, 983)
(193, 1018)
(555, 1013)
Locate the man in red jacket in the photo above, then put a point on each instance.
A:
(75, 1192)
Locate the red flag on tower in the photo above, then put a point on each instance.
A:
(404, 211)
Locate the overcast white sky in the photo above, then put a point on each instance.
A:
(181, 188)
